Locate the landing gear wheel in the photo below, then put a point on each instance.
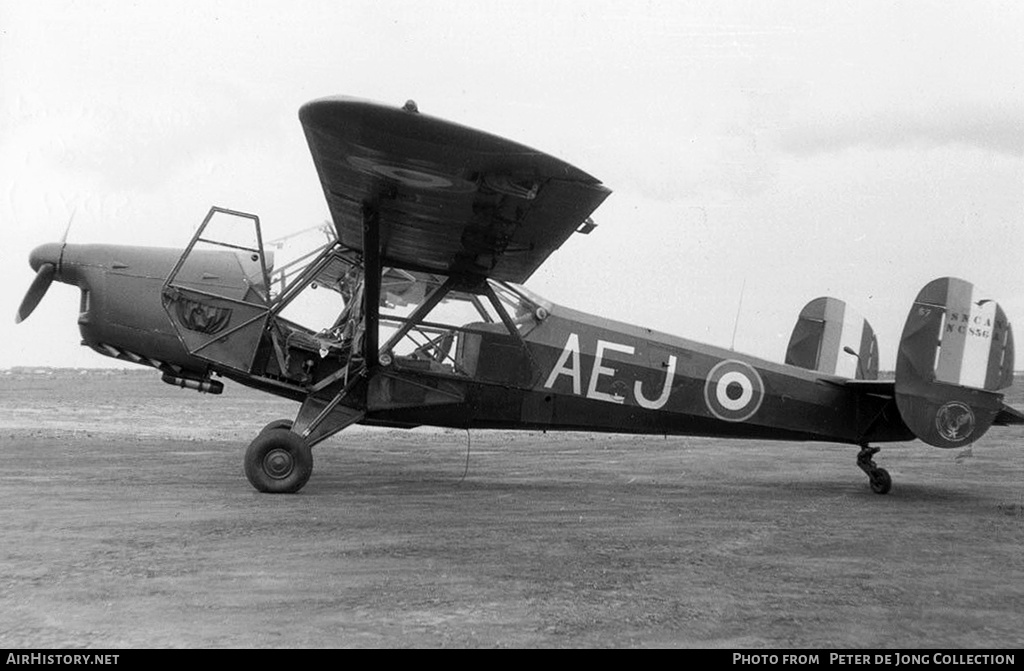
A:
(277, 424)
(879, 478)
(881, 483)
(278, 461)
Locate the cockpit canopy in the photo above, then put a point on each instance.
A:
(424, 318)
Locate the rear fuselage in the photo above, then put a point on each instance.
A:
(582, 372)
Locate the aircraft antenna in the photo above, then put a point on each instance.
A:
(860, 368)
(739, 308)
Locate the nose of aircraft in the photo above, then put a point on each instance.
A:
(48, 253)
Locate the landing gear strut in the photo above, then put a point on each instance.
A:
(881, 483)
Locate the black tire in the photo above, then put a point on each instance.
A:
(881, 483)
(278, 462)
(277, 424)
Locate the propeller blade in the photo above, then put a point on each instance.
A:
(67, 229)
(44, 277)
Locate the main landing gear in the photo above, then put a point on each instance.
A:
(278, 461)
(881, 483)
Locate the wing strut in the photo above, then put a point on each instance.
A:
(371, 284)
(323, 412)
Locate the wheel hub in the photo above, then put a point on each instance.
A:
(278, 464)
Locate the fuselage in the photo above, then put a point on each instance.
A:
(570, 371)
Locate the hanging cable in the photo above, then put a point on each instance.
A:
(465, 471)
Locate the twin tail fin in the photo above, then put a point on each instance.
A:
(954, 358)
(831, 338)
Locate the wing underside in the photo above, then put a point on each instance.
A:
(448, 198)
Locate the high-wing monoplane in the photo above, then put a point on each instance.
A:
(434, 228)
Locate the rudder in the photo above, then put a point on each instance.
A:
(831, 338)
(955, 354)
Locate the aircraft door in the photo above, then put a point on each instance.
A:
(217, 296)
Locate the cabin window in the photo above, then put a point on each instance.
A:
(324, 298)
(525, 312)
(427, 325)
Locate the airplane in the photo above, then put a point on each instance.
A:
(434, 229)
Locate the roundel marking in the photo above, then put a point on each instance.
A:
(733, 391)
(417, 177)
(414, 178)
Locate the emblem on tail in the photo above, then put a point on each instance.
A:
(955, 421)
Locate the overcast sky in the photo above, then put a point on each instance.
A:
(803, 149)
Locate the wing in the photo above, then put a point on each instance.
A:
(449, 199)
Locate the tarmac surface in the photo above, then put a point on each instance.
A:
(127, 522)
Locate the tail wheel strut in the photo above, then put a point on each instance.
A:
(879, 478)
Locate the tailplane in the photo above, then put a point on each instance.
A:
(955, 355)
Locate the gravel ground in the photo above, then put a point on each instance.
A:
(127, 522)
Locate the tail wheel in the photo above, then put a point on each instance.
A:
(879, 478)
(881, 483)
(278, 461)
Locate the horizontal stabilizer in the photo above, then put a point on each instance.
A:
(831, 338)
(955, 354)
(883, 388)
(1008, 416)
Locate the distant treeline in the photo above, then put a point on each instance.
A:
(62, 372)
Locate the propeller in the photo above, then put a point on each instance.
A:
(44, 278)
